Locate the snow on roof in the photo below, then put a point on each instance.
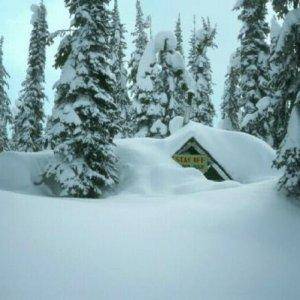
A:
(244, 157)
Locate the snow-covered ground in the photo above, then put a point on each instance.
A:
(168, 234)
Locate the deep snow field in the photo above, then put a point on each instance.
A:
(167, 234)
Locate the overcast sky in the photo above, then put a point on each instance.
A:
(15, 26)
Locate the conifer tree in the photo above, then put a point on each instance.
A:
(147, 106)
(282, 7)
(202, 108)
(254, 53)
(140, 42)
(288, 157)
(266, 118)
(285, 74)
(118, 46)
(172, 84)
(232, 95)
(5, 112)
(179, 36)
(84, 116)
(192, 50)
(162, 77)
(28, 127)
(287, 86)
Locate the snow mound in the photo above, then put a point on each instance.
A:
(147, 167)
(240, 243)
(20, 172)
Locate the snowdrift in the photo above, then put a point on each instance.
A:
(147, 167)
(20, 172)
(240, 243)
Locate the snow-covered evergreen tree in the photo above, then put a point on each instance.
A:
(282, 7)
(254, 54)
(28, 127)
(232, 94)
(289, 154)
(285, 74)
(179, 36)
(192, 43)
(84, 120)
(162, 77)
(140, 42)
(266, 119)
(286, 82)
(202, 107)
(5, 112)
(118, 46)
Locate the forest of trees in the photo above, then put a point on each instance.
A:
(100, 95)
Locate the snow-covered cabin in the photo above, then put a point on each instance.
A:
(193, 155)
(221, 154)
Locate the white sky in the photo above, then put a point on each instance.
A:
(15, 26)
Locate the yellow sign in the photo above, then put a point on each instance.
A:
(200, 161)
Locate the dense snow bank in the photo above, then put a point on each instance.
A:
(147, 167)
(20, 172)
(240, 243)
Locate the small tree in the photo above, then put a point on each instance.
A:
(84, 120)
(179, 36)
(140, 42)
(192, 50)
(30, 117)
(118, 46)
(232, 95)
(202, 108)
(5, 112)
